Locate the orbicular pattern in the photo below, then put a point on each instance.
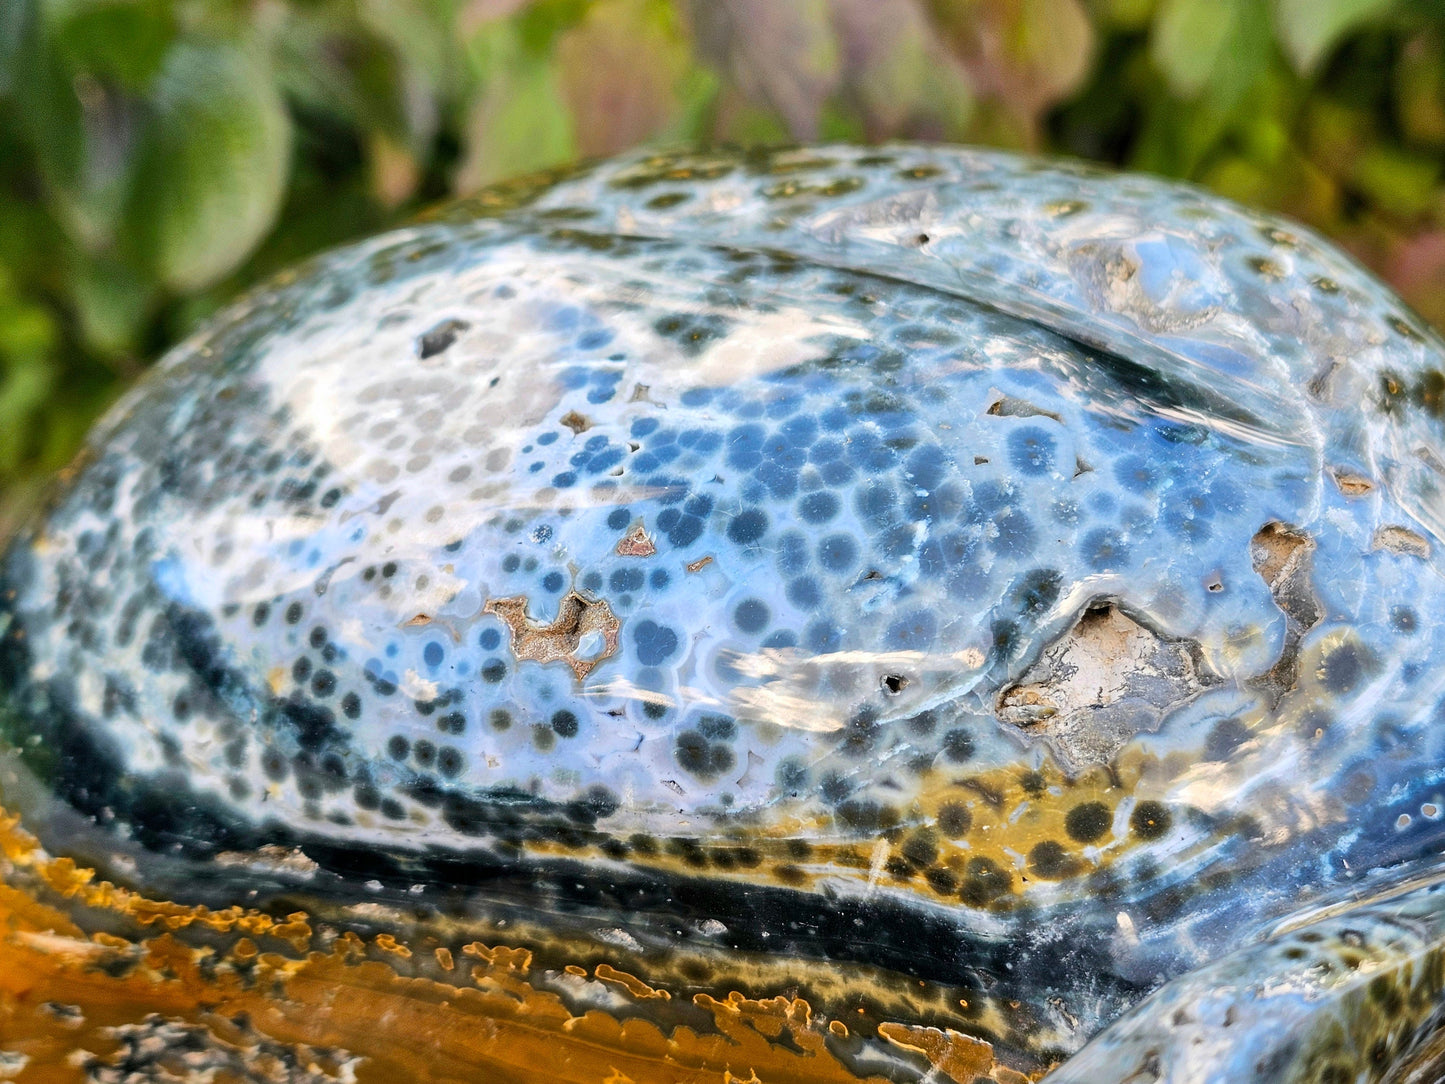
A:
(968, 591)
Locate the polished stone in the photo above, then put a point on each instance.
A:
(837, 612)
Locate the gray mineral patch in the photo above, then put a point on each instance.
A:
(1102, 682)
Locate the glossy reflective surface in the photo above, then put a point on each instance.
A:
(822, 615)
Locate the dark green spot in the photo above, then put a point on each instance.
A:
(1089, 821)
(1150, 820)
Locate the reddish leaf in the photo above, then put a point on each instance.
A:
(1420, 89)
(1026, 54)
(781, 54)
(1417, 270)
(474, 14)
(903, 78)
(619, 70)
(395, 171)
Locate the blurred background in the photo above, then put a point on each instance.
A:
(157, 156)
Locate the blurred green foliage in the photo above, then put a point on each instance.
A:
(156, 156)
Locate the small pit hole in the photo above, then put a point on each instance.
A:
(440, 337)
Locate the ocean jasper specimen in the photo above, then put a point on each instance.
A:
(818, 615)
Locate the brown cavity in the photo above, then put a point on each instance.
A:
(636, 543)
(1009, 406)
(1351, 484)
(1283, 556)
(1102, 682)
(575, 422)
(1401, 540)
(577, 616)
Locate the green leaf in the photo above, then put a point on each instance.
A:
(838, 124)
(49, 111)
(519, 124)
(1245, 58)
(111, 301)
(539, 22)
(1187, 39)
(337, 70)
(215, 165)
(122, 40)
(27, 332)
(415, 32)
(24, 388)
(27, 336)
(697, 93)
(1055, 45)
(740, 121)
(79, 125)
(1308, 28)
(1396, 181)
(15, 18)
(1124, 14)
(1221, 46)
(1175, 137)
(1239, 179)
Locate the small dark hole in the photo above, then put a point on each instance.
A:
(895, 683)
(440, 337)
